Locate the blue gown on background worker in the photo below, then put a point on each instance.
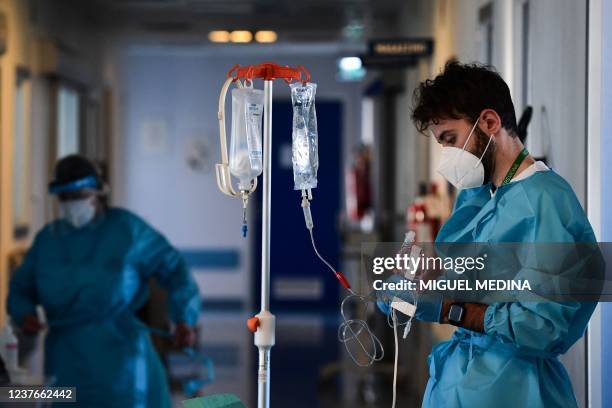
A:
(91, 281)
(516, 361)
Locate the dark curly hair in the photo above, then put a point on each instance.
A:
(463, 91)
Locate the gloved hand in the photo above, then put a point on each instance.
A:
(31, 325)
(429, 304)
(184, 335)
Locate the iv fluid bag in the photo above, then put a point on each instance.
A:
(305, 140)
(245, 161)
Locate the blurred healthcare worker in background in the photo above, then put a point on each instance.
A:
(89, 270)
(503, 354)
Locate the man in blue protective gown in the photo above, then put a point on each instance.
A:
(89, 271)
(503, 354)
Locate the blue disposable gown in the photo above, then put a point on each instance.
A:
(514, 364)
(90, 282)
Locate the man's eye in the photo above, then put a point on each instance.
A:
(448, 140)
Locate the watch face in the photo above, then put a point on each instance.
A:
(455, 314)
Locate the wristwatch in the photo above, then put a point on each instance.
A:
(456, 313)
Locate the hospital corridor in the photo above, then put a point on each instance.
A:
(305, 204)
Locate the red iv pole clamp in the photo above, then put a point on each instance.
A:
(249, 157)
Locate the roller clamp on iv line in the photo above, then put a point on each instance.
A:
(249, 158)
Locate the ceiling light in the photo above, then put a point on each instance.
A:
(350, 64)
(350, 69)
(219, 36)
(241, 36)
(266, 36)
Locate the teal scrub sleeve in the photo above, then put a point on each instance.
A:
(23, 295)
(537, 325)
(167, 265)
(541, 325)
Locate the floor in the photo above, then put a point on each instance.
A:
(309, 367)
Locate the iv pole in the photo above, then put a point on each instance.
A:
(263, 324)
(263, 389)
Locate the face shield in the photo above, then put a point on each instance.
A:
(77, 201)
(89, 182)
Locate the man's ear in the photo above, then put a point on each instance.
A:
(490, 122)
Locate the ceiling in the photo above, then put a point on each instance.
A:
(294, 20)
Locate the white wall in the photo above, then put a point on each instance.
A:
(558, 85)
(179, 86)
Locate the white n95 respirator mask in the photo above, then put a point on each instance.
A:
(78, 212)
(461, 168)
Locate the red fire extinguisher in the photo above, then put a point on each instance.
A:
(417, 218)
(359, 190)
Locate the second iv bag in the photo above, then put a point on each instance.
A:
(245, 161)
(305, 140)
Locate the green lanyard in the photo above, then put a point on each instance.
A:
(524, 153)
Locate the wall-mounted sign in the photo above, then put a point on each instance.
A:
(395, 53)
(406, 47)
